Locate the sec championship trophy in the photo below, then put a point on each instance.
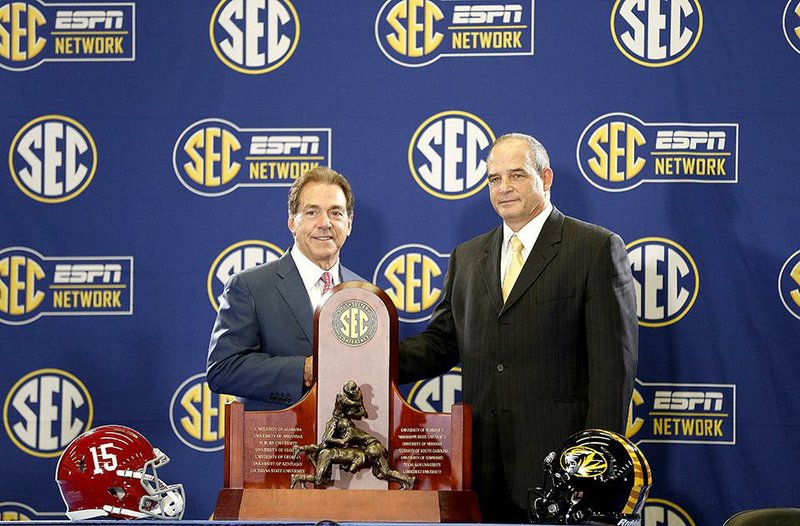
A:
(351, 449)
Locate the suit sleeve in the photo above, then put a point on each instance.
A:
(612, 333)
(237, 364)
(435, 350)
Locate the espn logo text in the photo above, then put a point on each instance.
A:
(417, 33)
(213, 157)
(33, 32)
(446, 154)
(656, 34)
(32, 285)
(413, 277)
(617, 152)
(45, 410)
(683, 413)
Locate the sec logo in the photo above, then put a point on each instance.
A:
(236, 258)
(656, 34)
(665, 278)
(197, 415)
(254, 36)
(789, 284)
(52, 159)
(446, 154)
(45, 410)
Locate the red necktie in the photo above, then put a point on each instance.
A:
(327, 282)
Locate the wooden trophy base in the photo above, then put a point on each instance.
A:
(347, 505)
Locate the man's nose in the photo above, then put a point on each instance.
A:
(504, 185)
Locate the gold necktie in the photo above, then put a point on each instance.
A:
(514, 267)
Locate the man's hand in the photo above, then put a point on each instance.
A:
(308, 371)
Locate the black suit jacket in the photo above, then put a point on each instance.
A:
(263, 332)
(559, 356)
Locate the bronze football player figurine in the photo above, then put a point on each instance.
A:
(348, 446)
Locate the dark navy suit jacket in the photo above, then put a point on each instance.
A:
(262, 335)
(557, 357)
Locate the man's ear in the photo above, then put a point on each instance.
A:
(547, 178)
(290, 224)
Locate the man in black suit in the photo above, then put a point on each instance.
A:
(261, 344)
(544, 326)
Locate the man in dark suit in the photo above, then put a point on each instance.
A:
(544, 326)
(261, 344)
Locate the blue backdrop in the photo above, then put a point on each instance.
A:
(150, 146)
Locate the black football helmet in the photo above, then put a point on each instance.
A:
(596, 476)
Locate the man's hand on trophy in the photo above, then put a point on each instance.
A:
(308, 371)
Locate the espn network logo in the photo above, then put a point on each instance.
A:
(213, 157)
(618, 152)
(416, 33)
(32, 32)
(682, 413)
(32, 285)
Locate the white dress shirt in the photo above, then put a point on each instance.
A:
(527, 235)
(311, 274)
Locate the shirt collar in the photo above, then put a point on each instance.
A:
(530, 232)
(310, 272)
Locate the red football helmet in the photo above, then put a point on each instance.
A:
(111, 471)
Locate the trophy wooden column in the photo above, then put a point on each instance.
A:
(355, 338)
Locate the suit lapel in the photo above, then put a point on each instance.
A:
(490, 267)
(348, 275)
(543, 252)
(290, 285)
